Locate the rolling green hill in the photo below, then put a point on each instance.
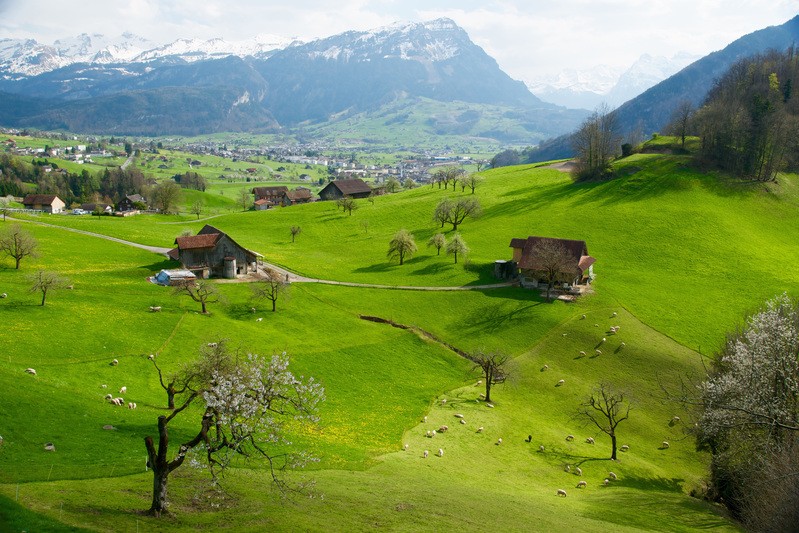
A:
(680, 257)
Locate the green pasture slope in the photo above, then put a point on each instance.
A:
(681, 257)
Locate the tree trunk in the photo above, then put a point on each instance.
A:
(456, 257)
(158, 505)
(203, 306)
(44, 295)
(18, 259)
(160, 466)
(170, 396)
(488, 390)
(613, 446)
(274, 305)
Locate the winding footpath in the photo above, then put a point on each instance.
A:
(291, 277)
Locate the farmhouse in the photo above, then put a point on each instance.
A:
(354, 188)
(105, 209)
(49, 203)
(270, 195)
(576, 269)
(213, 253)
(129, 201)
(300, 195)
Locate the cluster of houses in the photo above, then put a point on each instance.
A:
(268, 197)
(51, 203)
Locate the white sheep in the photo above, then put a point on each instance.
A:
(429, 434)
(406, 447)
(664, 445)
(49, 447)
(131, 405)
(582, 317)
(614, 314)
(479, 430)
(123, 390)
(443, 401)
(605, 482)
(155, 308)
(114, 362)
(103, 386)
(499, 441)
(151, 357)
(567, 468)
(443, 429)
(582, 352)
(612, 476)
(541, 448)
(560, 382)
(623, 344)
(440, 452)
(425, 454)
(252, 309)
(624, 447)
(581, 484)
(212, 344)
(544, 368)
(564, 334)
(479, 382)
(70, 287)
(458, 415)
(675, 419)
(463, 421)
(598, 351)
(596, 325)
(109, 396)
(490, 405)
(259, 319)
(589, 440)
(561, 492)
(603, 339)
(4, 295)
(578, 471)
(31, 371)
(569, 438)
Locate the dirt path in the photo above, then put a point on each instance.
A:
(291, 277)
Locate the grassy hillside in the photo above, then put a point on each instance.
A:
(671, 244)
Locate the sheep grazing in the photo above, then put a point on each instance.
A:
(567, 468)
(69, 287)
(490, 405)
(499, 441)
(4, 295)
(589, 440)
(429, 434)
(113, 362)
(612, 476)
(259, 319)
(131, 405)
(569, 438)
(212, 344)
(123, 390)
(578, 471)
(443, 429)
(581, 484)
(463, 421)
(479, 430)
(443, 401)
(151, 357)
(425, 454)
(560, 382)
(603, 339)
(458, 415)
(664, 445)
(624, 448)
(155, 308)
(564, 334)
(541, 448)
(424, 420)
(49, 447)
(108, 396)
(440, 452)
(479, 382)
(606, 481)
(406, 447)
(561, 492)
(675, 419)
(614, 314)
(252, 309)
(596, 325)
(103, 386)
(598, 351)
(582, 317)
(582, 353)
(30, 371)
(623, 344)
(109, 427)
(544, 368)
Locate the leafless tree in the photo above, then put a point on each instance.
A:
(454, 212)
(553, 261)
(4, 206)
(201, 291)
(243, 402)
(437, 241)
(347, 203)
(457, 245)
(401, 246)
(245, 199)
(44, 281)
(681, 120)
(175, 384)
(295, 230)
(493, 365)
(596, 143)
(606, 409)
(18, 243)
(271, 287)
(471, 181)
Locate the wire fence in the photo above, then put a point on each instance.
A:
(57, 472)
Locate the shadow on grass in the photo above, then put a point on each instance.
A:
(166, 264)
(17, 518)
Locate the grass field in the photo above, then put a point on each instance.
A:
(671, 243)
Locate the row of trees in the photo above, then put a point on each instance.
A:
(403, 245)
(455, 176)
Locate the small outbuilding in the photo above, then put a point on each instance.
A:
(173, 277)
(300, 195)
(354, 188)
(49, 203)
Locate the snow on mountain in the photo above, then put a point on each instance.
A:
(603, 84)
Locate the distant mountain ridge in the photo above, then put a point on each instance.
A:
(284, 83)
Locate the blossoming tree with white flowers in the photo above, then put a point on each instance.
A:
(244, 403)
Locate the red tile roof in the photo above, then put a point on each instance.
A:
(198, 241)
(39, 199)
(351, 186)
(577, 250)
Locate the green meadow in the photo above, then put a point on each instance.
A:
(681, 257)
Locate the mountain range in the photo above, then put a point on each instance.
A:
(126, 86)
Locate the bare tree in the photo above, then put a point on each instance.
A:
(4, 206)
(271, 287)
(295, 230)
(456, 246)
(680, 120)
(401, 246)
(197, 208)
(18, 243)
(175, 384)
(454, 212)
(471, 181)
(493, 365)
(606, 409)
(44, 281)
(244, 401)
(438, 241)
(347, 203)
(201, 291)
(448, 175)
(552, 260)
(596, 143)
(244, 199)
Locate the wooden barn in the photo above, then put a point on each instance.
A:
(213, 253)
(354, 188)
(269, 196)
(49, 203)
(300, 195)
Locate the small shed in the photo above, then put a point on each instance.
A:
(173, 277)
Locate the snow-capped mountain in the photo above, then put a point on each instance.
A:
(603, 84)
(27, 57)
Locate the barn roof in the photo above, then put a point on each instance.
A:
(276, 190)
(299, 194)
(192, 242)
(39, 199)
(351, 186)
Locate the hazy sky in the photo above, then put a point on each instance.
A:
(527, 38)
